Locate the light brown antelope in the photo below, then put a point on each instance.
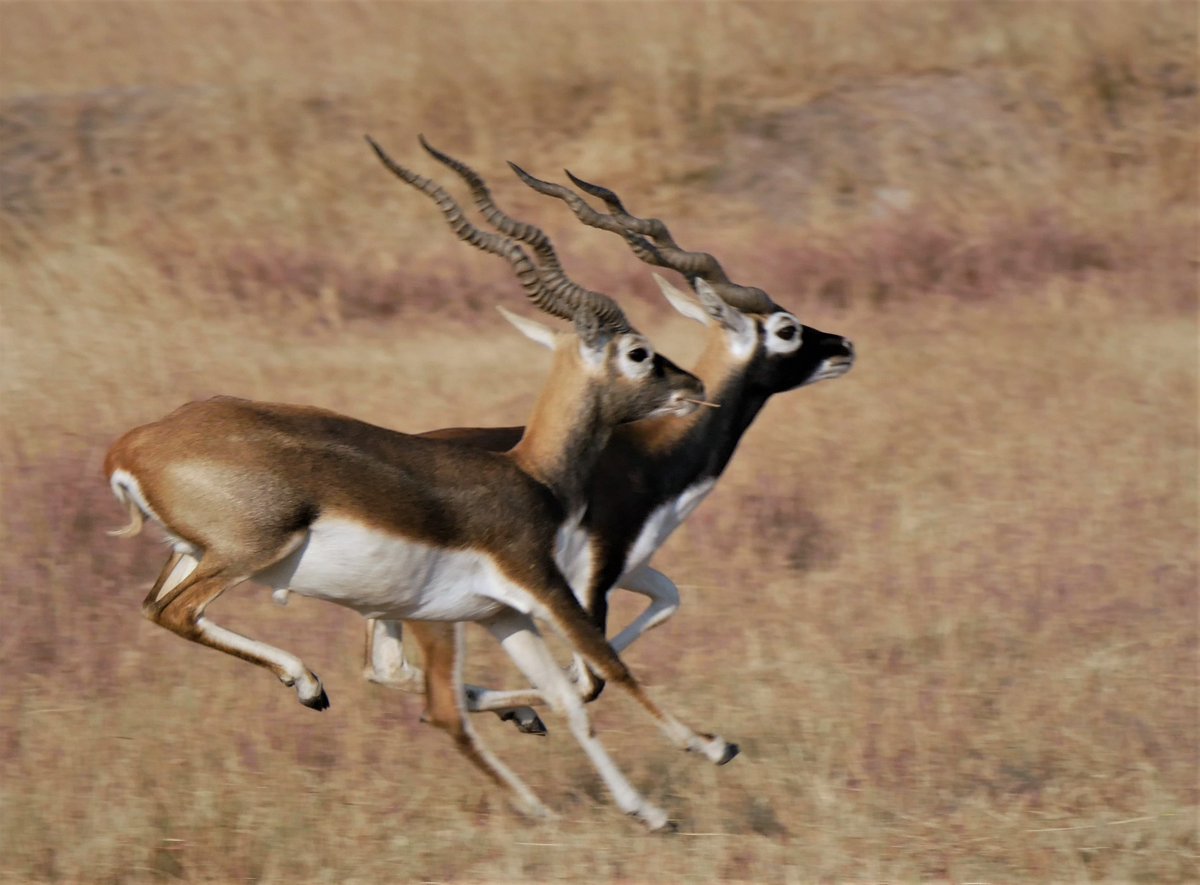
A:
(652, 474)
(394, 526)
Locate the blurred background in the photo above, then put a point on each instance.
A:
(947, 605)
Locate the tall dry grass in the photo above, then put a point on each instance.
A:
(947, 605)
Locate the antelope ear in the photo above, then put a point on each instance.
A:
(531, 329)
(681, 302)
(724, 313)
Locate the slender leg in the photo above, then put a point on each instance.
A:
(384, 660)
(565, 614)
(385, 663)
(442, 646)
(180, 607)
(664, 602)
(520, 638)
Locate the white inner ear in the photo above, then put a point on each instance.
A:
(531, 329)
(681, 302)
(742, 331)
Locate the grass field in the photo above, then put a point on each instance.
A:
(947, 605)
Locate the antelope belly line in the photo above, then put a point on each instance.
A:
(382, 575)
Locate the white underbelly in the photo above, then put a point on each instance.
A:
(381, 575)
(663, 521)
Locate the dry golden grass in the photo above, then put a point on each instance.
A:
(947, 605)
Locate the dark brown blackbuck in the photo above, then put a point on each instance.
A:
(416, 529)
(652, 474)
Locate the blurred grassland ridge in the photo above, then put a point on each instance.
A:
(947, 605)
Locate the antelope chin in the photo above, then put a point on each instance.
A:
(834, 367)
(678, 409)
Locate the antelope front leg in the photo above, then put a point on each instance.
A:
(519, 637)
(385, 663)
(664, 602)
(572, 623)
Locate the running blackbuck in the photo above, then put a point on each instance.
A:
(394, 526)
(652, 474)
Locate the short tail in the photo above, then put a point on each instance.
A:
(136, 517)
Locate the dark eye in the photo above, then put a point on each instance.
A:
(787, 333)
(639, 354)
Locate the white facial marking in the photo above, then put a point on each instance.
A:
(636, 356)
(782, 333)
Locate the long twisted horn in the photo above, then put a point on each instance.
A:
(527, 272)
(554, 277)
(663, 252)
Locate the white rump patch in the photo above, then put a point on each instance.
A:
(126, 487)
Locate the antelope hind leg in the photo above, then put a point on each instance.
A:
(184, 590)
(442, 645)
(385, 663)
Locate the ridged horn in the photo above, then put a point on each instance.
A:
(663, 252)
(527, 272)
(554, 278)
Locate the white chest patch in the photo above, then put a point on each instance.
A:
(381, 575)
(574, 555)
(664, 520)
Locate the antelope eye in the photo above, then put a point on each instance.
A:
(639, 354)
(787, 333)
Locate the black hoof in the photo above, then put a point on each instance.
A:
(525, 720)
(731, 750)
(670, 828)
(320, 702)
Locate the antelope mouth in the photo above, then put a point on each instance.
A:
(678, 406)
(830, 368)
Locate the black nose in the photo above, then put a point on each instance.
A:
(848, 347)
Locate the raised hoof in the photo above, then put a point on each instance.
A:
(731, 750)
(525, 720)
(320, 702)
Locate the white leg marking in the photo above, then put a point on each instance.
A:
(664, 602)
(519, 636)
(308, 686)
(528, 802)
(386, 662)
(186, 565)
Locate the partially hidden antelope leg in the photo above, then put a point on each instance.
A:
(519, 636)
(385, 663)
(384, 660)
(184, 590)
(563, 612)
(664, 602)
(442, 646)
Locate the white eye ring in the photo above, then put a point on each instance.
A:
(778, 342)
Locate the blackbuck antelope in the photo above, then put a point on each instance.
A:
(394, 526)
(652, 474)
